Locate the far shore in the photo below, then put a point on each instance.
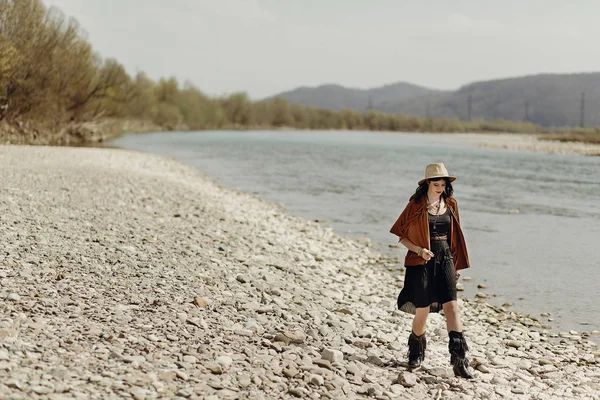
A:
(528, 142)
(509, 141)
(95, 133)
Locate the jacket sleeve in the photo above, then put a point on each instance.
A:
(456, 210)
(400, 227)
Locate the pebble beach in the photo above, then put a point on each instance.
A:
(130, 275)
(527, 142)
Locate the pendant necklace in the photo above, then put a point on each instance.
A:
(437, 213)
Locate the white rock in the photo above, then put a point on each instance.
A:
(316, 380)
(13, 297)
(407, 379)
(332, 355)
(224, 361)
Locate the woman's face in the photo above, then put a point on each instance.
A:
(436, 188)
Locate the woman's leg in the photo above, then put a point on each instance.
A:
(457, 345)
(452, 316)
(420, 321)
(417, 343)
(419, 324)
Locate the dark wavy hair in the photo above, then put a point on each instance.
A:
(422, 189)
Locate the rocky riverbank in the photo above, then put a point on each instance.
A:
(74, 133)
(126, 275)
(98, 131)
(528, 142)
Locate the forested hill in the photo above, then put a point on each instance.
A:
(545, 99)
(336, 97)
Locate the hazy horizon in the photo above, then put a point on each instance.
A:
(449, 89)
(264, 47)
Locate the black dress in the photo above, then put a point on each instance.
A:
(434, 283)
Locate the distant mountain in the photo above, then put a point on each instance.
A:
(336, 97)
(545, 99)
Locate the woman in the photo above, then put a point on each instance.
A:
(429, 227)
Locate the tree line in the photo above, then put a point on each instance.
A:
(50, 73)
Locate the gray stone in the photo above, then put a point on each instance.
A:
(332, 355)
(298, 392)
(316, 380)
(290, 372)
(13, 297)
(407, 379)
(244, 380)
(499, 381)
(224, 361)
(375, 360)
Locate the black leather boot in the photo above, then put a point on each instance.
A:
(458, 354)
(416, 350)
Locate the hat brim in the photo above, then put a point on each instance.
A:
(450, 178)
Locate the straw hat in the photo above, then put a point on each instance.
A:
(437, 170)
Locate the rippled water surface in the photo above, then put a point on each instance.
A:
(531, 220)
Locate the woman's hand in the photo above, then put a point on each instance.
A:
(425, 253)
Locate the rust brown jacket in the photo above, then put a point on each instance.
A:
(413, 224)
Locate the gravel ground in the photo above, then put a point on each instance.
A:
(127, 275)
(528, 142)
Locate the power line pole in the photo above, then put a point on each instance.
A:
(526, 110)
(470, 101)
(427, 110)
(582, 116)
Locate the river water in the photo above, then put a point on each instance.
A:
(531, 220)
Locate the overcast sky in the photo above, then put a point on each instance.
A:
(264, 47)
